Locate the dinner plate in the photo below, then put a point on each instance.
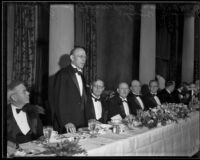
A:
(105, 126)
(84, 130)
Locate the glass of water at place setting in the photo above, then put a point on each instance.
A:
(47, 130)
(91, 125)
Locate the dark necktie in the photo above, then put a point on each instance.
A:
(96, 99)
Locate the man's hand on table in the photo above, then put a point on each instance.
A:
(70, 128)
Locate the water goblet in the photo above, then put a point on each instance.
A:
(47, 130)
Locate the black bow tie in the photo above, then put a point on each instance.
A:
(19, 110)
(77, 71)
(137, 95)
(154, 94)
(124, 101)
(96, 99)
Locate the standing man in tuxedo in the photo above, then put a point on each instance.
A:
(23, 122)
(135, 97)
(151, 99)
(165, 95)
(96, 107)
(119, 105)
(70, 94)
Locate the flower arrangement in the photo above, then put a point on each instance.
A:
(64, 148)
(162, 115)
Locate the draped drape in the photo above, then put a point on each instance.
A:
(30, 51)
(25, 35)
(110, 35)
(85, 36)
(197, 48)
(169, 42)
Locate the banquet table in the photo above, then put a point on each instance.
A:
(174, 139)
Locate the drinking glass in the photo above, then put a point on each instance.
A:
(91, 126)
(47, 130)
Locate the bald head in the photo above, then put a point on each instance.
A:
(136, 86)
(78, 57)
(123, 89)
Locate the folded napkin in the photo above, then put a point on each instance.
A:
(117, 117)
(54, 137)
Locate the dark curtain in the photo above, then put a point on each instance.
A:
(113, 35)
(169, 24)
(30, 53)
(25, 35)
(197, 46)
(85, 36)
(4, 78)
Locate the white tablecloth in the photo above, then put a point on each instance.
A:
(176, 139)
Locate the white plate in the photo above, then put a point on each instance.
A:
(106, 126)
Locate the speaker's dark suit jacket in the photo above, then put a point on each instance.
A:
(14, 133)
(116, 107)
(134, 103)
(165, 97)
(90, 112)
(149, 101)
(68, 104)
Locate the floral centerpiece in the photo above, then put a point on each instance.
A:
(148, 118)
(161, 115)
(64, 148)
(131, 121)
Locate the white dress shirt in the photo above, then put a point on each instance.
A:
(140, 102)
(156, 99)
(97, 108)
(79, 79)
(168, 91)
(21, 119)
(125, 105)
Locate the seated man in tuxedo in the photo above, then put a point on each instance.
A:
(192, 92)
(134, 97)
(178, 94)
(193, 89)
(118, 104)
(23, 122)
(151, 99)
(165, 95)
(96, 107)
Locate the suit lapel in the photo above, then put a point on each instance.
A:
(137, 101)
(134, 98)
(32, 121)
(92, 108)
(84, 95)
(73, 76)
(152, 99)
(121, 107)
(13, 128)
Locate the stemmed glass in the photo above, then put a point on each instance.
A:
(47, 130)
(92, 126)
